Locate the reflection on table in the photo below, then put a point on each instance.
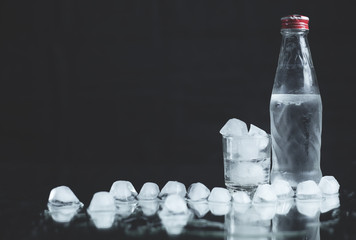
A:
(295, 218)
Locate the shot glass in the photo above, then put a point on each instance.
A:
(247, 162)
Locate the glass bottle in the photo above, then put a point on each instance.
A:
(295, 108)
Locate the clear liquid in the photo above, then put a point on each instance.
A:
(246, 175)
(296, 137)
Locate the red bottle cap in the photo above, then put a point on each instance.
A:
(295, 21)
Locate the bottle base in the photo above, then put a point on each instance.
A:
(294, 179)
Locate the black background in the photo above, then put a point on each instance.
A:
(96, 91)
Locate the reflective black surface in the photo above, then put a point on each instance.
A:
(25, 214)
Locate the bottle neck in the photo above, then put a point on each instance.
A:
(295, 72)
(295, 51)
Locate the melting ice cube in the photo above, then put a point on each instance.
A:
(102, 201)
(62, 196)
(173, 187)
(102, 210)
(308, 190)
(219, 201)
(219, 195)
(241, 197)
(63, 205)
(264, 194)
(282, 188)
(148, 191)
(329, 185)
(123, 191)
(255, 131)
(198, 191)
(261, 142)
(234, 127)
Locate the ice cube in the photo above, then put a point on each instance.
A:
(102, 210)
(148, 191)
(308, 190)
(241, 197)
(220, 195)
(264, 194)
(261, 142)
(308, 208)
(330, 202)
(247, 147)
(198, 191)
(282, 189)
(102, 201)
(329, 185)
(123, 191)
(255, 131)
(149, 207)
(175, 204)
(234, 127)
(173, 187)
(200, 209)
(63, 205)
(63, 196)
(219, 208)
(247, 173)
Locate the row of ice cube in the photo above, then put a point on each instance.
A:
(125, 191)
(328, 185)
(281, 189)
(63, 204)
(103, 209)
(307, 190)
